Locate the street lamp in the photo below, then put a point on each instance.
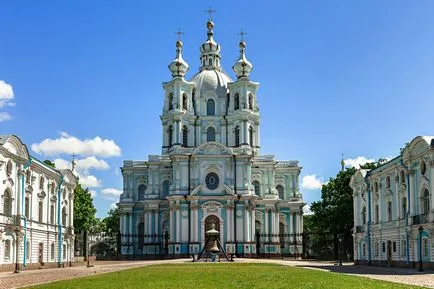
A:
(420, 249)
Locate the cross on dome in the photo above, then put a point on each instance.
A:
(210, 12)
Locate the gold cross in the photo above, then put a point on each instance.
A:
(210, 12)
(242, 33)
(179, 33)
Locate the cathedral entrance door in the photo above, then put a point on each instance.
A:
(209, 221)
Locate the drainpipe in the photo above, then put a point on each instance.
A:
(59, 223)
(369, 223)
(407, 213)
(23, 216)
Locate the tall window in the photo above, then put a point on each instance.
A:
(377, 249)
(28, 177)
(425, 248)
(210, 107)
(376, 187)
(377, 214)
(280, 190)
(403, 248)
(251, 135)
(210, 61)
(41, 183)
(141, 192)
(7, 249)
(236, 101)
(27, 207)
(422, 168)
(53, 187)
(170, 136)
(388, 182)
(52, 250)
(64, 217)
(166, 188)
(364, 249)
(210, 134)
(389, 211)
(170, 100)
(250, 101)
(40, 211)
(425, 202)
(257, 187)
(402, 176)
(28, 249)
(237, 136)
(184, 136)
(281, 233)
(403, 207)
(364, 215)
(7, 203)
(184, 101)
(52, 212)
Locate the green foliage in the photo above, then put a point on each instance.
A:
(84, 211)
(222, 275)
(111, 222)
(50, 163)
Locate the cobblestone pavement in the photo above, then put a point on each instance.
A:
(33, 277)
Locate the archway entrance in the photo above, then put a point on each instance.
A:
(209, 221)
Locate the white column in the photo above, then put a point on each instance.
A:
(246, 225)
(291, 229)
(246, 133)
(157, 228)
(172, 224)
(178, 227)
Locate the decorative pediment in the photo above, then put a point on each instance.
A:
(212, 148)
(212, 207)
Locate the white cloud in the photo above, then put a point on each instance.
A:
(4, 116)
(89, 181)
(67, 144)
(82, 169)
(357, 162)
(311, 182)
(111, 192)
(113, 206)
(306, 210)
(6, 91)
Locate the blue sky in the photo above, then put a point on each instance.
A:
(351, 77)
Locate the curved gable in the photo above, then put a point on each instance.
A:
(14, 145)
(417, 146)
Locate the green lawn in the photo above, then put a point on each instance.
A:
(221, 275)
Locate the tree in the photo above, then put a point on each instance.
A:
(50, 163)
(84, 210)
(112, 221)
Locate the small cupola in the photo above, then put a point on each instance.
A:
(178, 67)
(242, 66)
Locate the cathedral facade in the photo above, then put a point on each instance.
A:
(210, 172)
(394, 209)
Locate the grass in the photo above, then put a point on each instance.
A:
(221, 275)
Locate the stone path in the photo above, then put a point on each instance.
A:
(33, 277)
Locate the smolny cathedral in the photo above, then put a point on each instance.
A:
(210, 172)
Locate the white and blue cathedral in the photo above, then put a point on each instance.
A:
(210, 172)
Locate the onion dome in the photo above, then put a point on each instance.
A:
(242, 66)
(210, 50)
(178, 67)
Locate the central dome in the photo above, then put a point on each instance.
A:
(212, 81)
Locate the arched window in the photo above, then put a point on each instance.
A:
(166, 188)
(389, 211)
(7, 203)
(170, 100)
(41, 183)
(53, 187)
(377, 249)
(170, 136)
(184, 101)
(40, 210)
(364, 215)
(250, 101)
(7, 249)
(237, 137)
(210, 134)
(9, 168)
(28, 176)
(236, 101)
(210, 61)
(281, 192)
(184, 136)
(141, 237)
(141, 192)
(251, 135)
(64, 216)
(425, 202)
(210, 107)
(422, 168)
(388, 182)
(376, 187)
(52, 212)
(257, 187)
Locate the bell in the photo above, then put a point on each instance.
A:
(214, 249)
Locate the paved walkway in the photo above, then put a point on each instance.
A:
(33, 277)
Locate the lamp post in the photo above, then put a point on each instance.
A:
(420, 249)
